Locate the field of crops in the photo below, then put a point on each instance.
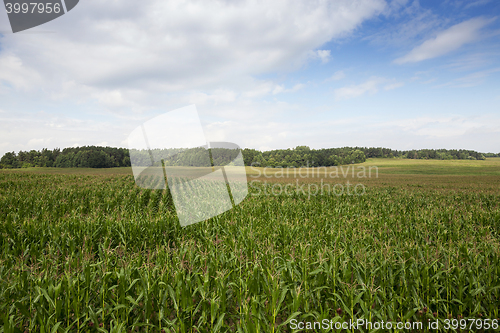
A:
(88, 251)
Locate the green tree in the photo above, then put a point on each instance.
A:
(9, 160)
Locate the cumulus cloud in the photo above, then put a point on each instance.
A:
(323, 55)
(177, 45)
(155, 56)
(16, 73)
(26, 131)
(413, 132)
(123, 62)
(446, 41)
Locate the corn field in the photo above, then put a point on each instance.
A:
(88, 253)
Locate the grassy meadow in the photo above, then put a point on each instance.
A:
(85, 250)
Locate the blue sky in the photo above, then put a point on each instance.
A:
(265, 75)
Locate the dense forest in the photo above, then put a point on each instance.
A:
(108, 157)
(80, 157)
(195, 157)
(491, 155)
(304, 156)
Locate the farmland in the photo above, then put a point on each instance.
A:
(85, 250)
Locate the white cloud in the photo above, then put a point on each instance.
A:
(446, 126)
(129, 61)
(16, 73)
(324, 55)
(446, 41)
(470, 80)
(338, 75)
(163, 46)
(394, 85)
(270, 128)
(137, 60)
(26, 131)
(259, 89)
(473, 61)
(370, 86)
(478, 77)
(407, 24)
(441, 131)
(281, 88)
(430, 80)
(40, 142)
(218, 96)
(476, 3)
(113, 98)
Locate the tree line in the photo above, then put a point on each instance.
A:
(108, 157)
(194, 157)
(491, 155)
(305, 156)
(434, 154)
(78, 157)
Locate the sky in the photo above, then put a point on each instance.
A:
(267, 75)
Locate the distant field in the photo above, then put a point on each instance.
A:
(491, 166)
(75, 171)
(85, 250)
(482, 176)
